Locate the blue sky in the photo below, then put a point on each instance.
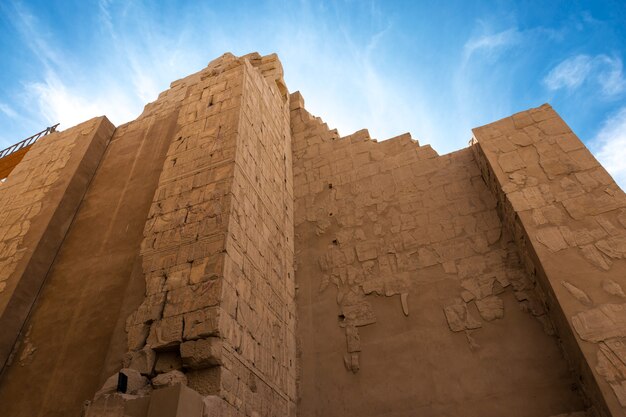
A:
(433, 68)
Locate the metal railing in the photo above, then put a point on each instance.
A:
(28, 141)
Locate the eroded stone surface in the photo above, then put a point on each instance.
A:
(603, 322)
(577, 293)
(374, 226)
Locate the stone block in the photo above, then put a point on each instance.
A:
(175, 401)
(192, 298)
(166, 333)
(205, 381)
(201, 353)
(201, 323)
(511, 161)
(169, 379)
(215, 406)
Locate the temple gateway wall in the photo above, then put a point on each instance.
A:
(229, 254)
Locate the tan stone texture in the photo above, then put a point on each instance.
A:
(564, 212)
(378, 224)
(38, 201)
(234, 256)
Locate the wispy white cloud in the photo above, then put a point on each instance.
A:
(610, 75)
(8, 110)
(34, 35)
(57, 102)
(570, 73)
(490, 43)
(602, 70)
(609, 146)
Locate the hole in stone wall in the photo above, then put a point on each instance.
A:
(335, 242)
(330, 186)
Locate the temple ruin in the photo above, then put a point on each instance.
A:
(229, 254)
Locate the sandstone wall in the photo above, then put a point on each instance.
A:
(38, 201)
(217, 253)
(411, 297)
(259, 369)
(568, 218)
(485, 282)
(76, 336)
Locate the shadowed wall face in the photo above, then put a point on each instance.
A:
(85, 296)
(38, 202)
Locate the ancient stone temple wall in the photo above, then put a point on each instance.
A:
(39, 199)
(407, 279)
(204, 174)
(217, 252)
(227, 254)
(260, 352)
(569, 219)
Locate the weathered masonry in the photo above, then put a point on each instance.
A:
(227, 254)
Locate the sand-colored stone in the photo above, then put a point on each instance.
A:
(238, 257)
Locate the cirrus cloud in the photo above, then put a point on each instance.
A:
(601, 70)
(609, 146)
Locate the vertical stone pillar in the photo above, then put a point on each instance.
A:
(37, 204)
(569, 221)
(258, 293)
(218, 247)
